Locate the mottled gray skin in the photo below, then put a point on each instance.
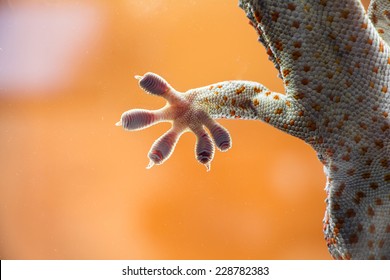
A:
(335, 65)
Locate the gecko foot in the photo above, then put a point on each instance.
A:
(185, 114)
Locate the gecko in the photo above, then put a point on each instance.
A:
(334, 60)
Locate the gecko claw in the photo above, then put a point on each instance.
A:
(150, 165)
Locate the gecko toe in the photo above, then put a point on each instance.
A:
(152, 83)
(204, 149)
(163, 147)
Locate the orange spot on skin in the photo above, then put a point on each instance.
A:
(357, 138)
(258, 16)
(352, 38)
(296, 24)
(381, 48)
(353, 238)
(374, 186)
(351, 172)
(279, 111)
(256, 102)
(211, 87)
(344, 14)
(340, 190)
(350, 213)
(268, 93)
(332, 36)
(232, 113)
(320, 140)
(348, 48)
(296, 55)
(233, 102)
(299, 95)
(379, 143)
(306, 68)
(363, 150)
(363, 125)
(225, 98)
(346, 157)
(276, 97)
(319, 88)
(279, 45)
(334, 168)
(384, 89)
(286, 72)
(297, 44)
(240, 90)
(219, 86)
(288, 103)
(378, 201)
(305, 81)
(336, 207)
(316, 107)
(311, 126)
(275, 16)
(291, 6)
(370, 211)
(347, 256)
(375, 69)
(364, 25)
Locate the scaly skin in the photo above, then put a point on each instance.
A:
(336, 70)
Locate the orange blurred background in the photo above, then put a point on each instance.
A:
(74, 186)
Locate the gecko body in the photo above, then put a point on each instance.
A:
(335, 64)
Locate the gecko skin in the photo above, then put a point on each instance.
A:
(334, 60)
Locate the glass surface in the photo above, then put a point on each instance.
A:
(75, 186)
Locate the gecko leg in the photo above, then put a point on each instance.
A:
(196, 109)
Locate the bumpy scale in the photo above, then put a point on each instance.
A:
(335, 64)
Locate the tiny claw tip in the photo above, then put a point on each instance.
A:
(138, 77)
(150, 165)
(207, 167)
(119, 123)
